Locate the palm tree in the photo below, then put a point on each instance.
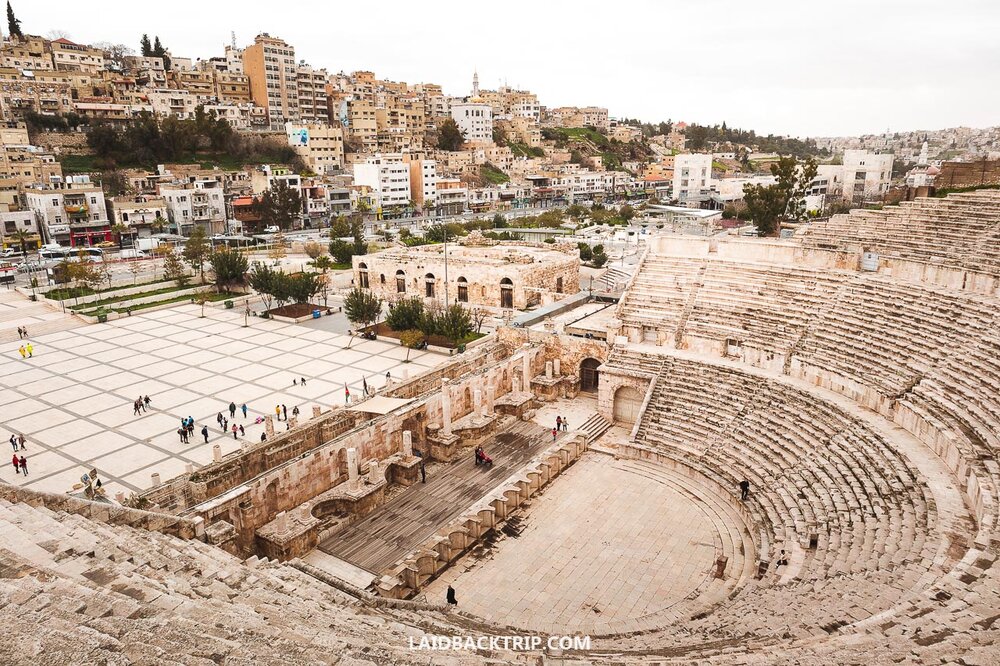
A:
(119, 230)
(22, 236)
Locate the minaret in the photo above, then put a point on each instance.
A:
(475, 83)
(923, 154)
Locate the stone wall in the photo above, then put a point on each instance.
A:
(62, 143)
(956, 175)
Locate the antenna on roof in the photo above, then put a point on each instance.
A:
(232, 35)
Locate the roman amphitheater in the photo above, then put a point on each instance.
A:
(850, 375)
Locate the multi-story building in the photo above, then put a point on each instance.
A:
(692, 175)
(475, 119)
(320, 146)
(30, 53)
(72, 210)
(14, 221)
(141, 213)
(67, 55)
(423, 183)
(861, 176)
(231, 87)
(269, 63)
(388, 178)
(195, 203)
(199, 83)
(25, 92)
(311, 84)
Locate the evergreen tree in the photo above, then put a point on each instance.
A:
(13, 25)
(145, 47)
(160, 52)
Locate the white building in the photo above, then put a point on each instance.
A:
(73, 211)
(387, 176)
(475, 118)
(692, 175)
(867, 175)
(320, 146)
(198, 203)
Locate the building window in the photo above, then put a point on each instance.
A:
(400, 282)
(363, 275)
(429, 285)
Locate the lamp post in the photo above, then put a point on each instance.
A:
(444, 227)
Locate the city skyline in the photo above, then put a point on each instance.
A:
(863, 80)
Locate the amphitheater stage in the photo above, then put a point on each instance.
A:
(409, 519)
(612, 546)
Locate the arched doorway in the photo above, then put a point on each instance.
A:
(429, 285)
(400, 282)
(363, 275)
(463, 290)
(506, 293)
(589, 375)
(628, 402)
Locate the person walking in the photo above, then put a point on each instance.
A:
(244, 408)
(204, 433)
(302, 380)
(565, 425)
(234, 431)
(16, 462)
(277, 412)
(284, 410)
(142, 405)
(20, 333)
(31, 350)
(558, 423)
(218, 419)
(225, 424)
(347, 395)
(24, 465)
(24, 329)
(744, 489)
(146, 401)
(135, 408)
(554, 431)
(242, 431)
(13, 443)
(24, 352)
(450, 596)
(423, 472)
(21, 440)
(232, 410)
(182, 433)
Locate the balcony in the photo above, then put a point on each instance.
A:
(76, 210)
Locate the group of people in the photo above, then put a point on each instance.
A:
(27, 351)
(17, 442)
(22, 332)
(140, 405)
(561, 425)
(20, 463)
(187, 429)
(482, 458)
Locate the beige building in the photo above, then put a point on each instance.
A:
(480, 272)
(311, 85)
(232, 87)
(67, 55)
(321, 146)
(23, 93)
(31, 53)
(269, 63)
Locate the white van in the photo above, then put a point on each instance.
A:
(130, 253)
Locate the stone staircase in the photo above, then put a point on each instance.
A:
(594, 427)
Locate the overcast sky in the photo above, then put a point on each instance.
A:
(783, 66)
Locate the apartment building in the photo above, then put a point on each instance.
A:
(14, 221)
(423, 182)
(139, 213)
(72, 210)
(269, 63)
(692, 175)
(147, 71)
(27, 91)
(475, 119)
(231, 87)
(388, 178)
(198, 202)
(31, 53)
(67, 55)
(321, 146)
(199, 83)
(311, 85)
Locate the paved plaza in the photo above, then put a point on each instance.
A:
(606, 543)
(73, 400)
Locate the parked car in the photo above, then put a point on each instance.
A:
(273, 229)
(130, 253)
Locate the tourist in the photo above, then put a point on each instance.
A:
(347, 395)
(295, 382)
(295, 411)
(558, 423)
(31, 350)
(225, 424)
(234, 431)
(24, 467)
(565, 425)
(782, 560)
(24, 352)
(146, 401)
(190, 425)
(423, 472)
(263, 436)
(16, 463)
(388, 377)
(284, 410)
(242, 431)
(21, 440)
(450, 596)
(744, 489)
(24, 329)
(20, 333)
(182, 433)
(277, 412)
(142, 405)
(135, 408)
(218, 419)
(204, 433)
(244, 408)
(554, 431)
(13, 442)
(302, 380)
(232, 410)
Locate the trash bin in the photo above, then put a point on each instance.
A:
(461, 349)
(317, 314)
(102, 317)
(229, 305)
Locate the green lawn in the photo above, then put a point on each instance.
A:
(493, 175)
(78, 163)
(211, 297)
(116, 299)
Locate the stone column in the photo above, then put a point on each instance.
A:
(281, 522)
(269, 426)
(155, 478)
(491, 392)
(373, 472)
(316, 411)
(477, 402)
(526, 370)
(407, 444)
(352, 469)
(557, 368)
(515, 383)
(445, 408)
(293, 421)
(548, 369)
(216, 453)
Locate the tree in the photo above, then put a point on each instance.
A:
(262, 280)
(454, 323)
(173, 269)
(114, 55)
(145, 47)
(450, 137)
(13, 25)
(160, 52)
(362, 307)
(277, 250)
(768, 205)
(324, 263)
(586, 254)
(119, 231)
(626, 213)
(280, 205)
(21, 236)
(313, 250)
(230, 267)
(281, 289)
(405, 314)
(136, 268)
(324, 283)
(499, 136)
(599, 258)
(341, 251)
(303, 286)
(411, 339)
(479, 316)
(196, 250)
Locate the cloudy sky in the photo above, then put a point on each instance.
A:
(784, 66)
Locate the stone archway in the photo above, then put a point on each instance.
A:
(589, 376)
(628, 402)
